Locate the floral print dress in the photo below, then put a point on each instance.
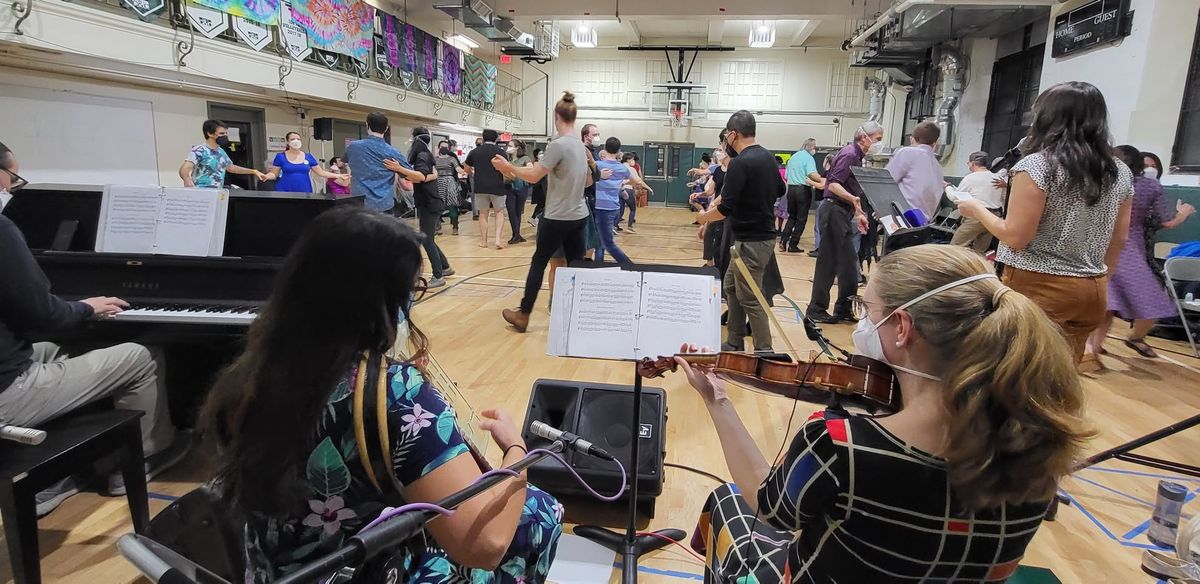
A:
(341, 501)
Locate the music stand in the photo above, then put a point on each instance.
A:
(629, 544)
(885, 198)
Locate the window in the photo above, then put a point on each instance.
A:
(846, 93)
(750, 85)
(1186, 153)
(1016, 81)
(600, 82)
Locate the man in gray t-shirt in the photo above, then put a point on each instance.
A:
(562, 225)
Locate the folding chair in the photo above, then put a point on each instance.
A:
(1181, 270)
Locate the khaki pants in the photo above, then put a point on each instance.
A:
(741, 299)
(57, 383)
(1075, 304)
(971, 233)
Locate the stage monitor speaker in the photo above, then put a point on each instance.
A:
(599, 413)
(322, 128)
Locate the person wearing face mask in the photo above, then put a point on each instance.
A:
(448, 167)
(293, 166)
(953, 487)
(713, 232)
(338, 186)
(428, 204)
(41, 381)
(752, 185)
(1154, 167)
(518, 190)
(538, 194)
(207, 163)
(590, 134)
(838, 219)
(802, 178)
(490, 191)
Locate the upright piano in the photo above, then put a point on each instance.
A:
(196, 309)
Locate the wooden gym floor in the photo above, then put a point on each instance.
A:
(1099, 539)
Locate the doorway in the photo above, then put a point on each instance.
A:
(247, 141)
(665, 166)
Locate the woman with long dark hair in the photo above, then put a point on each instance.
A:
(448, 167)
(1068, 211)
(284, 420)
(428, 204)
(953, 487)
(1137, 288)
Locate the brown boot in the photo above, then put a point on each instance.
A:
(519, 320)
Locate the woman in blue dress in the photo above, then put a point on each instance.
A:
(292, 167)
(290, 452)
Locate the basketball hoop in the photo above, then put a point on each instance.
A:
(677, 117)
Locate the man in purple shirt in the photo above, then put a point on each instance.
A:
(918, 172)
(837, 218)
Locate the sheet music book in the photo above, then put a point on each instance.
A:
(616, 314)
(161, 220)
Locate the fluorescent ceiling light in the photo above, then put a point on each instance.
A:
(762, 35)
(584, 36)
(462, 42)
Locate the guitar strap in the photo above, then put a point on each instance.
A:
(371, 422)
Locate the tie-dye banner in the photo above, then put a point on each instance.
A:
(479, 80)
(338, 26)
(431, 54)
(451, 70)
(260, 11)
(409, 61)
(391, 39)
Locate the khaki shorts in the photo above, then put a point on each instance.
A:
(483, 202)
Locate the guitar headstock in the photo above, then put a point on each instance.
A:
(650, 368)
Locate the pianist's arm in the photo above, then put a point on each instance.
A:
(26, 303)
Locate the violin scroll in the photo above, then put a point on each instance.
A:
(651, 368)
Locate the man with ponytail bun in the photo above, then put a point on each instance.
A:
(953, 486)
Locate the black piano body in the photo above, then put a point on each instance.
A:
(195, 309)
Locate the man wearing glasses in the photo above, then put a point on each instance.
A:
(752, 184)
(41, 381)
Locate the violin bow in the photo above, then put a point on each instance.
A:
(762, 301)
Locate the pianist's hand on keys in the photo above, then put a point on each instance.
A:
(106, 306)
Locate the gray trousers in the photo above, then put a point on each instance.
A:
(57, 383)
(741, 300)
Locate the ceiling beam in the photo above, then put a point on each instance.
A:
(716, 31)
(804, 32)
(633, 35)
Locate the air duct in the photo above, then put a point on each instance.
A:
(875, 89)
(954, 72)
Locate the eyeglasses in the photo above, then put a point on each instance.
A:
(15, 180)
(420, 288)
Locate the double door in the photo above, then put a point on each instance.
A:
(666, 165)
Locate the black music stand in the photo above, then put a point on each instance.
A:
(885, 198)
(629, 544)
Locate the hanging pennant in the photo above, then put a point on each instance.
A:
(424, 84)
(406, 77)
(361, 67)
(385, 69)
(328, 59)
(145, 9)
(207, 21)
(251, 33)
(291, 35)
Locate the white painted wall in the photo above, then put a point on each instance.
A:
(1142, 77)
(968, 130)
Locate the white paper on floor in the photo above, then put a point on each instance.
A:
(581, 561)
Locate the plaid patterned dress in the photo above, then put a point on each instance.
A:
(852, 503)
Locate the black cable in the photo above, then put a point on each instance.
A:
(465, 280)
(697, 471)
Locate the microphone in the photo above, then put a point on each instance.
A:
(23, 435)
(572, 441)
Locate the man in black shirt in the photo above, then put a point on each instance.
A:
(747, 203)
(41, 381)
(489, 186)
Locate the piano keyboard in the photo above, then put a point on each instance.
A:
(189, 314)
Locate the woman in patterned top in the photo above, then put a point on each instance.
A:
(1068, 212)
(950, 489)
(283, 418)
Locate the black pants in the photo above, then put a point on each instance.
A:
(551, 235)
(835, 257)
(799, 200)
(429, 218)
(515, 203)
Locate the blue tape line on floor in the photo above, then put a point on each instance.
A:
(1121, 493)
(1144, 474)
(1077, 505)
(658, 572)
(161, 497)
(1136, 531)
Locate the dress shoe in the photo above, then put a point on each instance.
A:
(794, 249)
(519, 320)
(845, 318)
(812, 254)
(823, 318)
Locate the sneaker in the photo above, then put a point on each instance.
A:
(436, 282)
(1166, 566)
(812, 254)
(631, 229)
(51, 497)
(617, 228)
(455, 231)
(156, 463)
(447, 272)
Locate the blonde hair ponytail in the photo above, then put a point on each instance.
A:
(1012, 398)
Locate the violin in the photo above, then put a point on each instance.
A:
(858, 381)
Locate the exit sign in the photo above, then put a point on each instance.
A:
(505, 59)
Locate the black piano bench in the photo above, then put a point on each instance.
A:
(73, 442)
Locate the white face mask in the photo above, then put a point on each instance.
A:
(295, 144)
(875, 148)
(866, 334)
(718, 155)
(1151, 172)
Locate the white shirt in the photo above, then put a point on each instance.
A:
(979, 185)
